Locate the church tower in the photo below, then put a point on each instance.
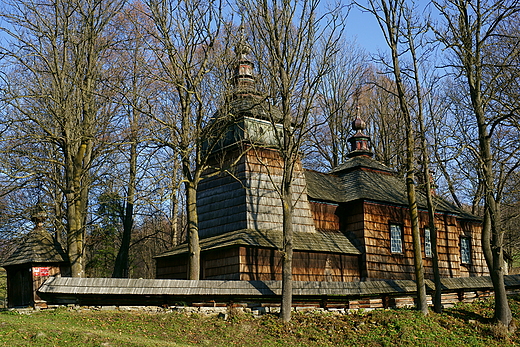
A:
(245, 197)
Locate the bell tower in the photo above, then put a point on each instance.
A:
(245, 197)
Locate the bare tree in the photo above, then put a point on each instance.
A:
(188, 49)
(56, 92)
(327, 145)
(131, 58)
(469, 30)
(395, 22)
(286, 37)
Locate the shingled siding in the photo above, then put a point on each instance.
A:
(381, 263)
(352, 223)
(252, 263)
(247, 199)
(450, 229)
(266, 264)
(174, 267)
(325, 215)
(264, 207)
(221, 202)
(478, 265)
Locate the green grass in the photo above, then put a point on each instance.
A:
(464, 325)
(3, 287)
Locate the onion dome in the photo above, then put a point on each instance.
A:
(359, 142)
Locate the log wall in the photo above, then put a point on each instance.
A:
(266, 264)
(249, 263)
(174, 267)
(381, 263)
(352, 223)
(24, 280)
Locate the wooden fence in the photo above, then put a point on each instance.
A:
(346, 295)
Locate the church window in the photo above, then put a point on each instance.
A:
(427, 243)
(396, 238)
(465, 250)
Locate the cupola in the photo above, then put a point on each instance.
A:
(359, 142)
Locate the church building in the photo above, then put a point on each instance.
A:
(351, 224)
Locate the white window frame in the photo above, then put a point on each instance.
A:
(465, 250)
(427, 243)
(396, 238)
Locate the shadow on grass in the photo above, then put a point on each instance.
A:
(468, 315)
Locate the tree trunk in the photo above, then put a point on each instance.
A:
(193, 232)
(422, 304)
(503, 313)
(74, 238)
(122, 263)
(437, 298)
(174, 218)
(76, 208)
(287, 283)
(470, 33)
(492, 235)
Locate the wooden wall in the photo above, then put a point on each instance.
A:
(249, 263)
(382, 264)
(266, 264)
(478, 266)
(352, 223)
(221, 199)
(264, 174)
(174, 267)
(367, 225)
(221, 264)
(325, 215)
(24, 280)
(248, 199)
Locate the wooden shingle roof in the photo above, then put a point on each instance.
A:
(256, 107)
(360, 162)
(319, 241)
(38, 246)
(72, 288)
(363, 178)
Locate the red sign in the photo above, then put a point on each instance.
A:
(40, 271)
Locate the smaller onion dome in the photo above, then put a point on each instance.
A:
(359, 142)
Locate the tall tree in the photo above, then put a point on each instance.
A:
(294, 45)
(187, 33)
(55, 89)
(469, 30)
(396, 26)
(136, 90)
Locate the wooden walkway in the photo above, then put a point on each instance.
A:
(112, 291)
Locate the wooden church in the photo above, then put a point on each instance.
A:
(351, 224)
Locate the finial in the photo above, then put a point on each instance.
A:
(241, 48)
(38, 215)
(243, 79)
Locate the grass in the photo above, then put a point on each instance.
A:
(3, 287)
(465, 324)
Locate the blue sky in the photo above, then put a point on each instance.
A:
(363, 28)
